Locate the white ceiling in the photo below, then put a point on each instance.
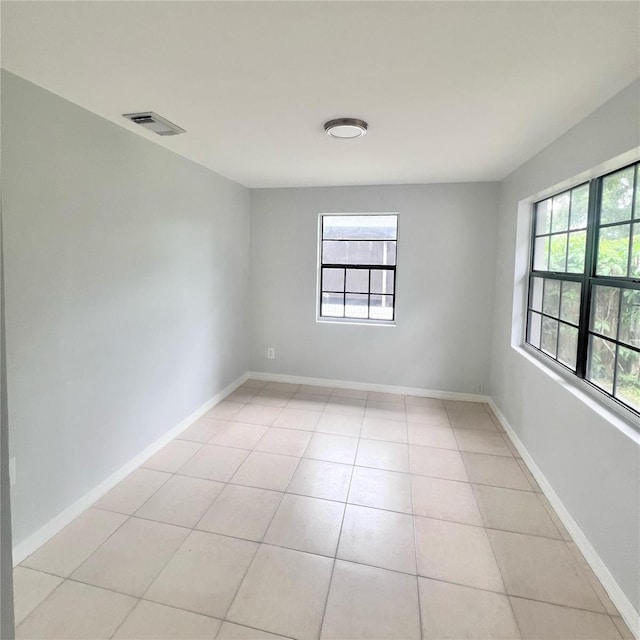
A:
(452, 91)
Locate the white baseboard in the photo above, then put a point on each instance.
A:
(47, 531)
(617, 595)
(369, 386)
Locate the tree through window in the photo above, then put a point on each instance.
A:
(584, 284)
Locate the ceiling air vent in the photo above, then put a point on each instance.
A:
(155, 123)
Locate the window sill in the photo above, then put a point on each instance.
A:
(622, 418)
(355, 321)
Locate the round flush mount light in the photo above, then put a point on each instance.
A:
(345, 128)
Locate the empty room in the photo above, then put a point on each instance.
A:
(320, 320)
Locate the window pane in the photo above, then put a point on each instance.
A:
(630, 317)
(357, 306)
(570, 302)
(543, 217)
(541, 254)
(558, 257)
(560, 215)
(613, 251)
(568, 346)
(604, 311)
(359, 227)
(334, 252)
(382, 281)
(388, 253)
(357, 280)
(575, 259)
(617, 195)
(381, 307)
(579, 207)
(537, 284)
(628, 377)
(333, 279)
(551, 302)
(332, 305)
(535, 325)
(549, 338)
(568, 254)
(634, 272)
(601, 363)
(358, 252)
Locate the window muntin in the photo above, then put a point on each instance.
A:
(358, 256)
(584, 284)
(554, 312)
(558, 261)
(560, 231)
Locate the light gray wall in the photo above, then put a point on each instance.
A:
(127, 277)
(592, 465)
(7, 630)
(446, 242)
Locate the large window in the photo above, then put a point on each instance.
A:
(358, 266)
(584, 283)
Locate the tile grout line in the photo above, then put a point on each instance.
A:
(166, 564)
(176, 473)
(555, 527)
(44, 599)
(448, 479)
(495, 557)
(344, 514)
(346, 503)
(415, 551)
(170, 558)
(331, 462)
(564, 606)
(127, 518)
(315, 430)
(135, 606)
(583, 573)
(362, 564)
(258, 547)
(141, 598)
(329, 433)
(497, 432)
(322, 413)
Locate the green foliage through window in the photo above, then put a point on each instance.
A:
(584, 294)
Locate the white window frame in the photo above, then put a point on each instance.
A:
(354, 321)
(624, 419)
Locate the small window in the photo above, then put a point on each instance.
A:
(358, 267)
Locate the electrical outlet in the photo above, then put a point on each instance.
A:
(271, 353)
(12, 471)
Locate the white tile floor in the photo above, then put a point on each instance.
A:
(307, 512)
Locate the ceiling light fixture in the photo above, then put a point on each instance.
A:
(345, 128)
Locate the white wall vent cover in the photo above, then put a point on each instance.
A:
(155, 123)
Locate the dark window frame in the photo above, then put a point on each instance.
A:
(588, 280)
(322, 265)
